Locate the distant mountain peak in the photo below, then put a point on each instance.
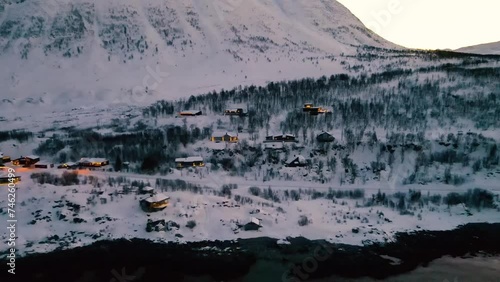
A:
(72, 48)
(492, 48)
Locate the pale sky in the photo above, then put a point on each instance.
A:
(430, 24)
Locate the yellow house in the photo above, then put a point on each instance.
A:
(307, 107)
(224, 137)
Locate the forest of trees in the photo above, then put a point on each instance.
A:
(404, 103)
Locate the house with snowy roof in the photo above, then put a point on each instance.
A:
(189, 162)
(156, 202)
(296, 161)
(253, 224)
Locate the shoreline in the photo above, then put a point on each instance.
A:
(299, 259)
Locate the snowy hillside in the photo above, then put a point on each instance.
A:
(484, 49)
(62, 52)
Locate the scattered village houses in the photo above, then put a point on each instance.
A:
(224, 137)
(155, 202)
(189, 162)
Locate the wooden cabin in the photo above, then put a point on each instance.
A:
(189, 162)
(190, 113)
(317, 110)
(253, 225)
(26, 161)
(4, 159)
(93, 162)
(281, 138)
(68, 165)
(224, 137)
(296, 161)
(325, 137)
(307, 107)
(44, 165)
(234, 112)
(154, 203)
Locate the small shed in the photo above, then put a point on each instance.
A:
(252, 225)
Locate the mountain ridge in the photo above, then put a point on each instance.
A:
(167, 49)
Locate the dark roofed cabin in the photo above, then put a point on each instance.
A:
(253, 225)
(307, 107)
(325, 137)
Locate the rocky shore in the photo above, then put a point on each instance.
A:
(296, 259)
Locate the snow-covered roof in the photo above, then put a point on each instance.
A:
(189, 160)
(190, 112)
(32, 157)
(148, 188)
(157, 198)
(93, 160)
(255, 220)
(274, 145)
(299, 158)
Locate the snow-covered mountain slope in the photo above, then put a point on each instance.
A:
(484, 49)
(62, 52)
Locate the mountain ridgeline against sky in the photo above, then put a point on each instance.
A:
(58, 51)
(492, 48)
